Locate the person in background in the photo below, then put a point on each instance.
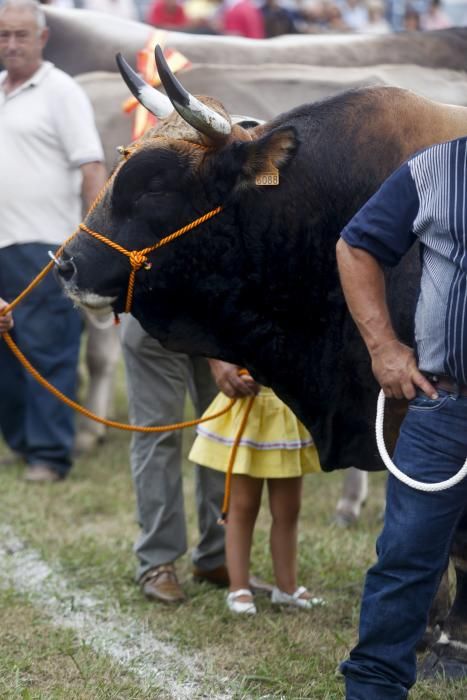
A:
(278, 19)
(412, 19)
(126, 9)
(167, 14)
(377, 22)
(158, 381)
(355, 15)
(274, 448)
(435, 17)
(242, 18)
(51, 165)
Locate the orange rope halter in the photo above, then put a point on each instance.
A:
(138, 258)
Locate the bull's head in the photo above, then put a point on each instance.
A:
(197, 157)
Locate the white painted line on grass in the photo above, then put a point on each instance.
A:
(120, 637)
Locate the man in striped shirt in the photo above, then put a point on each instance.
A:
(425, 199)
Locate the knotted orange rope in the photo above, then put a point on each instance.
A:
(138, 258)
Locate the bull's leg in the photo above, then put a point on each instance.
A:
(449, 652)
(354, 495)
(438, 614)
(102, 354)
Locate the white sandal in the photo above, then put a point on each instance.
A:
(237, 606)
(279, 597)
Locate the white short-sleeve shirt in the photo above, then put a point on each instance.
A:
(47, 131)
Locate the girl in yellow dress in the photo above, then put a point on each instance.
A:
(274, 447)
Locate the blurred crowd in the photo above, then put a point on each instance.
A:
(269, 18)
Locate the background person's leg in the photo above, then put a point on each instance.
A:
(156, 396)
(48, 332)
(209, 553)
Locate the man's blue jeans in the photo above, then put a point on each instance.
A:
(412, 550)
(47, 329)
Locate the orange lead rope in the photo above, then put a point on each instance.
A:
(110, 423)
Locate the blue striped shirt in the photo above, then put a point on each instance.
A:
(426, 199)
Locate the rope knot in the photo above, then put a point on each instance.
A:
(139, 260)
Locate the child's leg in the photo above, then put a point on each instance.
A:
(284, 502)
(245, 499)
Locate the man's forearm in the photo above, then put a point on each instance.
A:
(94, 179)
(364, 289)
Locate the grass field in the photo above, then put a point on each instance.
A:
(73, 624)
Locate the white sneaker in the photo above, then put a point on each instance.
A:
(279, 597)
(237, 606)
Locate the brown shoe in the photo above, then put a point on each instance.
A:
(161, 583)
(42, 473)
(218, 576)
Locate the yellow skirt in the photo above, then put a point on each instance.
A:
(274, 443)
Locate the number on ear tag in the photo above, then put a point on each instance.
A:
(271, 177)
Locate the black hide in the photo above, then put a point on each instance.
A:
(258, 285)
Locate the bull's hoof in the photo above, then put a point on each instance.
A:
(86, 442)
(448, 659)
(429, 639)
(342, 519)
(436, 667)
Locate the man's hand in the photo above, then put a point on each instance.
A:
(230, 382)
(6, 321)
(396, 370)
(393, 363)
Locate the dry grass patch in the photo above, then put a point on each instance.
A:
(85, 528)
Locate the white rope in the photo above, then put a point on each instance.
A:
(419, 485)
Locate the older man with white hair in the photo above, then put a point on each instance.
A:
(51, 165)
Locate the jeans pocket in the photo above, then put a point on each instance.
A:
(425, 403)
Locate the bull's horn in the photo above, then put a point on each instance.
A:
(157, 103)
(201, 117)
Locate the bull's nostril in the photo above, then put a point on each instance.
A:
(66, 269)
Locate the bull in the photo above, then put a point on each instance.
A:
(257, 284)
(253, 77)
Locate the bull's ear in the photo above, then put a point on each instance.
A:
(266, 155)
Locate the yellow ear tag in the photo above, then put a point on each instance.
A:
(268, 177)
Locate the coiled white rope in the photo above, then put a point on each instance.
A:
(419, 485)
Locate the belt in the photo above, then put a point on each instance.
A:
(446, 383)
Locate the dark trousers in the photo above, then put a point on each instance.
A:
(413, 550)
(47, 330)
